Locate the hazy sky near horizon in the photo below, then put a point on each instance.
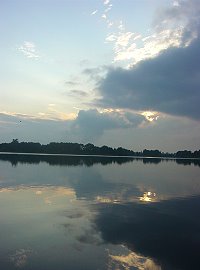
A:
(115, 72)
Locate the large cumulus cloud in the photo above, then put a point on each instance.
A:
(169, 83)
(87, 126)
(91, 124)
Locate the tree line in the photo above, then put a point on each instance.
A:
(87, 149)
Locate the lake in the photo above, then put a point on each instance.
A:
(98, 213)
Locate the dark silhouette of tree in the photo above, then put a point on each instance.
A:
(88, 149)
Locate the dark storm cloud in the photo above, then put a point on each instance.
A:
(168, 83)
(91, 124)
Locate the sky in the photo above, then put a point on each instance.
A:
(109, 72)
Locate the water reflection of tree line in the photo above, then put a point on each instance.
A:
(62, 160)
(88, 161)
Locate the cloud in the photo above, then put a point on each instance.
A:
(88, 125)
(13, 118)
(96, 73)
(175, 26)
(152, 45)
(20, 257)
(29, 50)
(31, 128)
(106, 2)
(91, 124)
(71, 83)
(79, 93)
(121, 41)
(134, 260)
(52, 113)
(89, 236)
(107, 7)
(168, 83)
(173, 225)
(94, 12)
(182, 14)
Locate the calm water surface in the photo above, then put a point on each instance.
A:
(98, 213)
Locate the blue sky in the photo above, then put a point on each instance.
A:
(115, 72)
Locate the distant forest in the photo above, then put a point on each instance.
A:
(87, 149)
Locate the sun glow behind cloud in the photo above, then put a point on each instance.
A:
(150, 116)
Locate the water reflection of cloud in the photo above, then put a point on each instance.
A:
(49, 194)
(20, 257)
(38, 192)
(167, 231)
(112, 183)
(104, 199)
(58, 234)
(80, 225)
(54, 193)
(76, 213)
(89, 236)
(3, 190)
(148, 196)
(132, 259)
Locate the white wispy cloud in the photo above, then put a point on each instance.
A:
(175, 26)
(127, 48)
(94, 12)
(106, 2)
(108, 8)
(105, 15)
(121, 26)
(175, 3)
(124, 39)
(53, 113)
(110, 24)
(29, 50)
